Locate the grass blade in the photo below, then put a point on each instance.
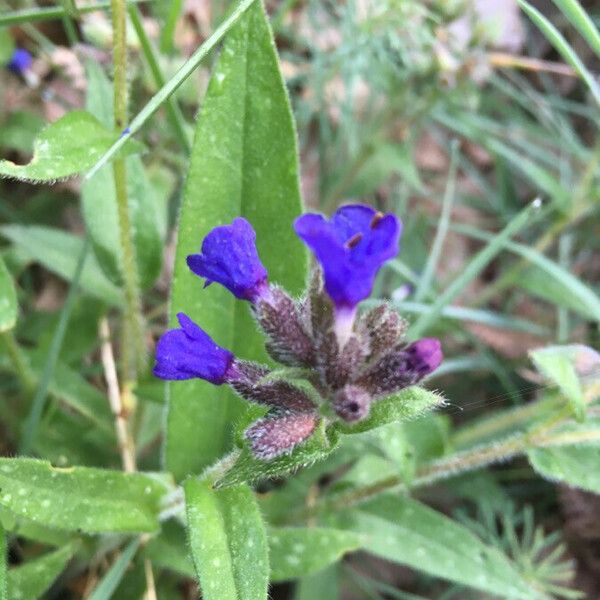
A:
(442, 229)
(473, 268)
(37, 407)
(581, 21)
(171, 86)
(562, 46)
(111, 580)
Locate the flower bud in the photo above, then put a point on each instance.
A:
(288, 341)
(385, 328)
(273, 436)
(352, 403)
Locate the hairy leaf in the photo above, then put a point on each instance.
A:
(408, 532)
(66, 147)
(228, 541)
(80, 498)
(407, 404)
(30, 580)
(576, 466)
(244, 162)
(3, 565)
(300, 551)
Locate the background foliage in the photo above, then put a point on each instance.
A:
(140, 126)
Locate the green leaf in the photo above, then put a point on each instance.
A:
(31, 580)
(99, 202)
(405, 531)
(576, 466)
(58, 251)
(407, 404)
(3, 565)
(248, 468)
(8, 299)
(111, 580)
(324, 584)
(228, 541)
(64, 148)
(296, 552)
(80, 498)
(169, 550)
(244, 162)
(557, 363)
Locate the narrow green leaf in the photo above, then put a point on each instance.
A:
(581, 21)
(91, 500)
(408, 532)
(64, 148)
(169, 550)
(31, 580)
(244, 162)
(558, 364)
(228, 541)
(473, 268)
(561, 45)
(111, 580)
(99, 202)
(8, 299)
(3, 565)
(57, 251)
(407, 404)
(7, 46)
(296, 552)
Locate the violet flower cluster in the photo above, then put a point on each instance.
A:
(351, 360)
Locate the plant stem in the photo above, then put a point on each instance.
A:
(133, 338)
(469, 460)
(19, 361)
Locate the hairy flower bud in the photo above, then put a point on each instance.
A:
(402, 367)
(385, 328)
(337, 367)
(280, 319)
(248, 381)
(273, 436)
(352, 403)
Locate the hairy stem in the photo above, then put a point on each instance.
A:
(133, 338)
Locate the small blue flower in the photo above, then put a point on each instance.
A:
(20, 61)
(351, 247)
(190, 352)
(229, 257)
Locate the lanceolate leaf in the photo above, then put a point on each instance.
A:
(31, 580)
(408, 532)
(99, 203)
(66, 147)
(8, 299)
(299, 551)
(80, 498)
(228, 542)
(244, 162)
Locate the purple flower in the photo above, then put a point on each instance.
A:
(229, 257)
(190, 352)
(424, 356)
(351, 247)
(20, 61)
